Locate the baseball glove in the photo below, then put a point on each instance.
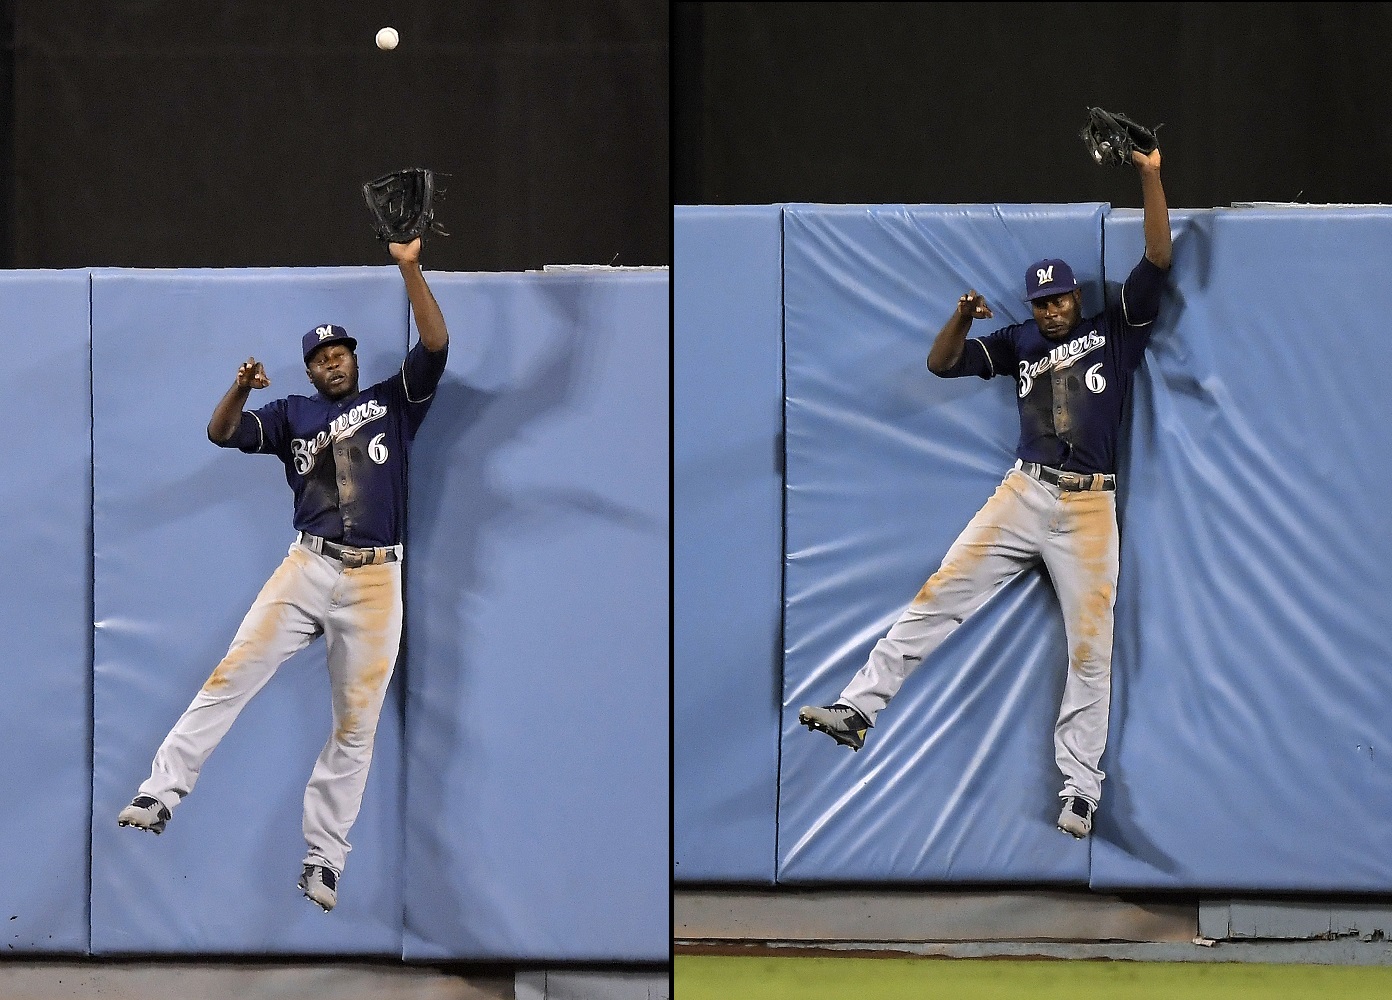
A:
(1110, 138)
(402, 204)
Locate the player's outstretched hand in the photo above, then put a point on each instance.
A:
(973, 306)
(1146, 161)
(406, 253)
(251, 375)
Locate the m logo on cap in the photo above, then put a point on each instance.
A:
(324, 331)
(1048, 277)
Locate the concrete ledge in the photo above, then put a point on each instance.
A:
(912, 915)
(1347, 952)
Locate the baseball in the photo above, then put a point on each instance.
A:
(387, 39)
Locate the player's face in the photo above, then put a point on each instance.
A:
(334, 371)
(1058, 314)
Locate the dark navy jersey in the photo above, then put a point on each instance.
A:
(346, 460)
(1072, 392)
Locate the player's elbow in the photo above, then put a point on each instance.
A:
(941, 366)
(218, 439)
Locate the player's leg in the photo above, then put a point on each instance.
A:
(363, 632)
(281, 621)
(1002, 539)
(1082, 556)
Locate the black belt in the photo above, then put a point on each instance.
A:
(350, 556)
(1068, 480)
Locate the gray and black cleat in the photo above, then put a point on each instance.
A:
(1076, 817)
(842, 723)
(320, 884)
(146, 813)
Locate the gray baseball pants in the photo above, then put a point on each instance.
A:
(358, 611)
(1025, 521)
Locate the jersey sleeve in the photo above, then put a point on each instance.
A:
(1140, 294)
(421, 371)
(986, 357)
(261, 431)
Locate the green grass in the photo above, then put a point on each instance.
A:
(701, 977)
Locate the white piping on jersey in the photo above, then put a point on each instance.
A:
(1126, 313)
(407, 389)
(259, 430)
(989, 363)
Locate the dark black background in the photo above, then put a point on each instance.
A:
(181, 134)
(982, 103)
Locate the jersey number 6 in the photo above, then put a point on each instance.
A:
(377, 449)
(1094, 378)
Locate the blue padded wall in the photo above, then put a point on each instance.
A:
(886, 463)
(1253, 686)
(45, 628)
(185, 534)
(727, 541)
(538, 693)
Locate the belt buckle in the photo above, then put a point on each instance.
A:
(353, 558)
(1071, 481)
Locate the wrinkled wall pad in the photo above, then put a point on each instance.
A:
(886, 465)
(185, 534)
(1251, 730)
(538, 682)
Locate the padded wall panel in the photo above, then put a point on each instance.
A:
(538, 625)
(185, 534)
(727, 541)
(1254, 672)
(886, 464)
(45, 624)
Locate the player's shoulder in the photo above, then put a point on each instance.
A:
(1011, 331)
(295, 401)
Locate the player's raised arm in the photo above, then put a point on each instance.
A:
(429, 320)
(1157, 212)
(228, 412)
(947, 347)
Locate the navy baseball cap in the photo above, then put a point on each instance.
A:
(322, 336)
(1048, 277)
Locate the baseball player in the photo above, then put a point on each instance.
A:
(1056, 506)
(344, 451)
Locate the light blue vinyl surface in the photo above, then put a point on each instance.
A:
(1251, 728)
(185, 534)
(45, 624)
(886, 464)
(727, 541)
(538, 624)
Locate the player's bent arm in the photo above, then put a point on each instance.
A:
(948, 345)
(227, 415)
(429, 320)
(951, 339)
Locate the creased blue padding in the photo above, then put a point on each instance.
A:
(886, 465)
(185, 535)
(45, 636)
(727, 541)
(538, 624)
(1251, 738)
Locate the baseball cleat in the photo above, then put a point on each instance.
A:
(842, 723)
(320, 884)
(145, 813)
(1076, 817)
